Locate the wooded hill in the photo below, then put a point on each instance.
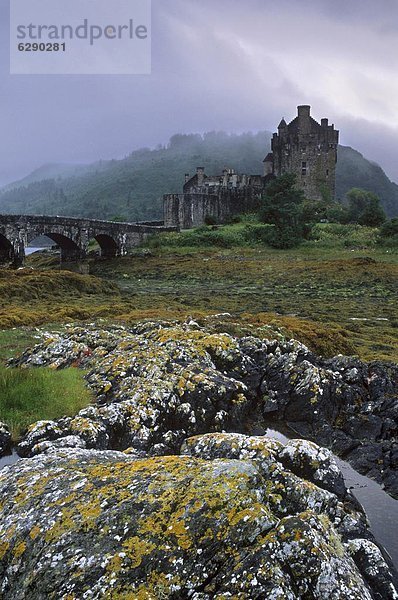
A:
(132, 188)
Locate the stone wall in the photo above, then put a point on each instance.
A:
(191, 209)
(309, 150)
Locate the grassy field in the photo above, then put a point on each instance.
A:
(337, 292)
(36, 297)
(350, 292)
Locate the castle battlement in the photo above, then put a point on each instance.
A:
(303, 147)
(308, 149)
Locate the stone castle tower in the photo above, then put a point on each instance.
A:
(303, 147)
(309, 150)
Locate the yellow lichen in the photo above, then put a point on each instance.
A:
(3, 549)
(19, 549)
(114, 565)
(136, 549)
(35, 531)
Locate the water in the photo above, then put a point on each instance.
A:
(8, 460)
(29, 251)
(381, 509)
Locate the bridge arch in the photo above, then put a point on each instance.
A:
(72, 235)
(69, 249)
(39, 243)
(108, 245)
(6, 249)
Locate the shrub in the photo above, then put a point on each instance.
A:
(337, 213)
(364, 208)
(389, 242)
(284, 238)
(389, 228)
(210, 220)
(285, 207)
(258, 234)
(347, 236)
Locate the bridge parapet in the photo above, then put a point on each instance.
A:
(72, 235)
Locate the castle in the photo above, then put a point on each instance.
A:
(303, 147)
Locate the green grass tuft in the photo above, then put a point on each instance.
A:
(243, 234)
(29, 395)
(337, 235)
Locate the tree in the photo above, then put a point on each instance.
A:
(314, 210)
(364, 208)
(283, 206)
(388, 235)
(389, 228)
(338, 213)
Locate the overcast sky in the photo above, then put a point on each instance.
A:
(217, 64)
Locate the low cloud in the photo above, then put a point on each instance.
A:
(217, 65)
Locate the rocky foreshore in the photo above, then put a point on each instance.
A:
(231, 517)
(156, 384)
(144, 494)
(5, 439)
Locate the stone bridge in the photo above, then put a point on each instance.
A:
(72, 235)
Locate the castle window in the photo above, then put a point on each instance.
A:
(327, 172)
(304, 167)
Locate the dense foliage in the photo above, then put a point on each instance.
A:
(389, 228)
(293, 216)
(364, 208)
(389, 233)
(354, 171)
(284, 207)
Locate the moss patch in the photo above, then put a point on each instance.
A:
(335, 297)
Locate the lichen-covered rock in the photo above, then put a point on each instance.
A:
(158, 383)
(342, 403)
(155, 386)
(5, 439)
(370, 561)
(304, 459)
(69, 441)
(235, 523)
(309, 461)
(41, 431)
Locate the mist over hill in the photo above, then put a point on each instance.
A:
(132, 188)
(48, 171)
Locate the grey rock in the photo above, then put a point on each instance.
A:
(5, 439)
(79, 523)
(159, 383)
